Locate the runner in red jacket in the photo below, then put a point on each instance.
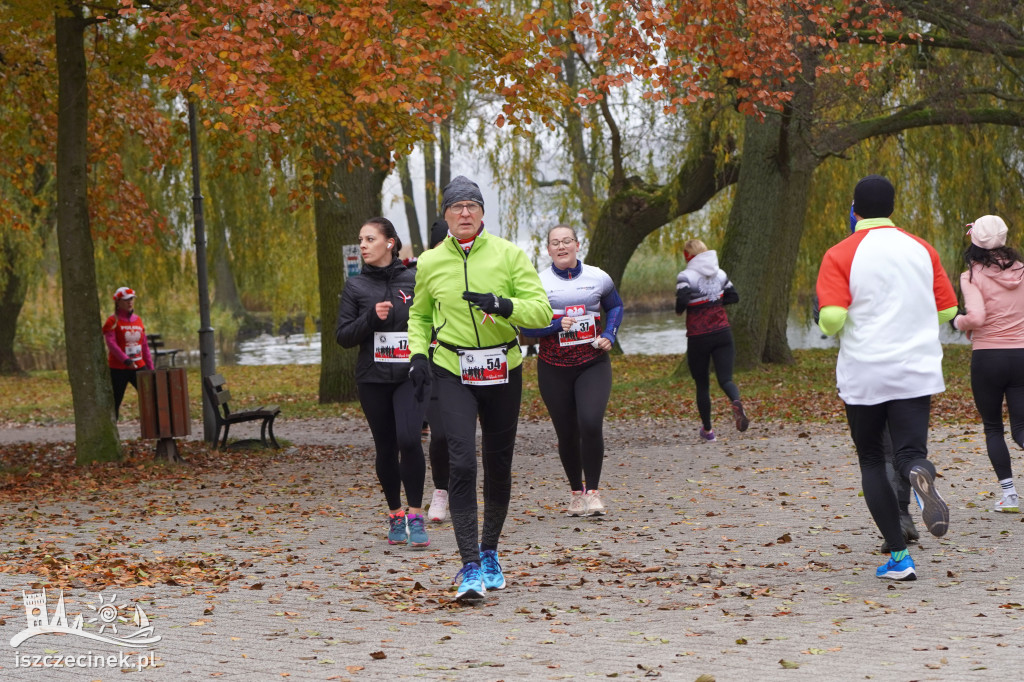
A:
(127, 347)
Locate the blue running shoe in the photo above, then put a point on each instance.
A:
(417, 531)
(493, 578)
(897, 570)
(397, 534)
(472, 587)
(934, 511)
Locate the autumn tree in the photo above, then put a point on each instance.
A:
(348, 83)
(92, 195)
(813, 79)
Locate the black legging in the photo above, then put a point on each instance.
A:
(576, 398)
(995, 373)
(120, 378)
(701, 350)
(498, 409)
(396, 422)
(908, 426)
(438, 445)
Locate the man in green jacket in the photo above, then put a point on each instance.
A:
(472, 292)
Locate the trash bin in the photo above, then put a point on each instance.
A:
(164, 410)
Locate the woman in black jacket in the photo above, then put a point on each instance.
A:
(374, 314)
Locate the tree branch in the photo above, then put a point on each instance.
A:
(917, 116)
(618, 180)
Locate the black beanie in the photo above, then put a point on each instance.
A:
(874, 197)
(438, 231)
(461, 188)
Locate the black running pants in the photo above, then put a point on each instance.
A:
(701, 351)
(908, 425)
(576, 398)
(120, 378)
(396, 423)
(997, 373)
(438, 445)
(497, 407)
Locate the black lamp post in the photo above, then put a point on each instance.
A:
(207, 357)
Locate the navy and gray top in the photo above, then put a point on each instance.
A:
(582, 288)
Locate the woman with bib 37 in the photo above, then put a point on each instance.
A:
(574, 372)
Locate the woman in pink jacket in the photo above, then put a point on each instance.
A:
(994, 322)
(127, 346)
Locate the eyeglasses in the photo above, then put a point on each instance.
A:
(470, 206)
(555, 243)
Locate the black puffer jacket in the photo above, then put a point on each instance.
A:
(357, 318)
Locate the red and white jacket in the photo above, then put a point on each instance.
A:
(126, 340)
(892, 287)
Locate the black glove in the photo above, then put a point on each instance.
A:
(952, 322)
(489, 303)
(816, 309)
(419, 374)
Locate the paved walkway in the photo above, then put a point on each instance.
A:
(751, 558)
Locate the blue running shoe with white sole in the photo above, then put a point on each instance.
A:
(934, 511)
(397, 534)
(472, 587)
(493, 578)
(418, 531)
(897, 570)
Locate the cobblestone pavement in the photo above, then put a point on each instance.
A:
(749, 558)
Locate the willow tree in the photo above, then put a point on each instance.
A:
(348, 83)
(813, 79)
(960, 80)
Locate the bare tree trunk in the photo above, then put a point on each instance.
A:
(446, 153)
(430, 181)
(762, 239)
(12, 299)
(15, 264)
(409, 200)
(96, 437)
(225, 290)
(347, 197)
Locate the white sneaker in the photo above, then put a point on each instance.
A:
(1009, 504)
(438, 510)
(594, 507)
(577, 504)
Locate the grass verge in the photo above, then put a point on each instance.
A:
(644, 388)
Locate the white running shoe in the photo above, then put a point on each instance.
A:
(438, 510)
(1009, 504)
(577, 504)
(594, 507)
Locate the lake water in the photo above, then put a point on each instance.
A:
(658, 333)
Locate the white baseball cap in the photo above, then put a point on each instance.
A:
(988, 232)
(124, 293)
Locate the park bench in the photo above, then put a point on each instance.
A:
(156, 347)
(216, 390)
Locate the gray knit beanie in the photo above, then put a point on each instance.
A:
(461, 188)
